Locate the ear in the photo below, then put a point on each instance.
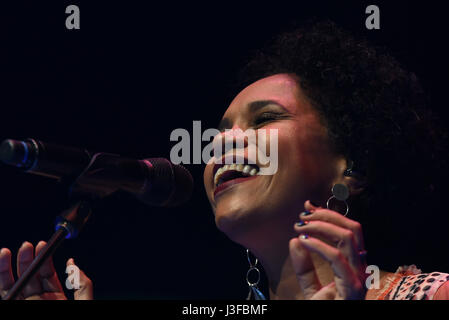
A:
(355, 183)
(351, 178)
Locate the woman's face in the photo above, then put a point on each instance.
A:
(306, 166)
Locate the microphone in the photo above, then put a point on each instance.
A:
(155, 181)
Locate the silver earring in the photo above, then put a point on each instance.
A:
(339, 192)
(349, 170)
(253, 285)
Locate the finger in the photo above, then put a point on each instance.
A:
(6, 276)
(48, 276)
(85, 290)
(334, 234)
(318, 213)
(308, 205)
(25, 257)
(304, 269)
(328, 292)
(347, 282)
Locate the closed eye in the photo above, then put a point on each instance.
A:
(266, 117)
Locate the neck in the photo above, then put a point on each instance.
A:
(276, 262)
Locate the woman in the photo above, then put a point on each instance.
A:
(348, 115)
(351, 127)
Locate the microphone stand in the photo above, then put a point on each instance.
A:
(84, 192)
(68, 225)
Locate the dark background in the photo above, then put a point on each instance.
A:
(122, 83)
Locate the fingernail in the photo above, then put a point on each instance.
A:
(314, 204)
(25, 242)
(305, 213)
(303, 237)
(301, 223)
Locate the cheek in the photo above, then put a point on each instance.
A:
(304, 155)
(291, 144)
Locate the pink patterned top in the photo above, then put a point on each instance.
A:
(409, 283)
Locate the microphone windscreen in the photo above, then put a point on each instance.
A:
(169, 185)
(183, 186)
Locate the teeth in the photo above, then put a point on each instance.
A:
(245, 169)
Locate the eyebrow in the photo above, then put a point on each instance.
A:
(256, 105)
(252, 107)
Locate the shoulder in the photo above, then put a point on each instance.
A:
(423, 286)
(443, 292)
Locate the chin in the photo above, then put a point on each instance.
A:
(232, 222)
(240, 223)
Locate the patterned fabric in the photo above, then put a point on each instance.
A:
(408, 283)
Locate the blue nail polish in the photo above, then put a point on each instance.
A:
(304, 237)
(301, 223)
(306, 213)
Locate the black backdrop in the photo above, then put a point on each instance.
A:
(122, 83)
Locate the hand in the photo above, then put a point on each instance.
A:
(45, 284)
(343, 256)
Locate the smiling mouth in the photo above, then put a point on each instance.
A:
(229, 175)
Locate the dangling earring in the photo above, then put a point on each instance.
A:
(340, 192)
(253, 286)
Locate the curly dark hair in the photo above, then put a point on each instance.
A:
(377, 115)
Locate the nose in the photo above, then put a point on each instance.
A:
(233, 138)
